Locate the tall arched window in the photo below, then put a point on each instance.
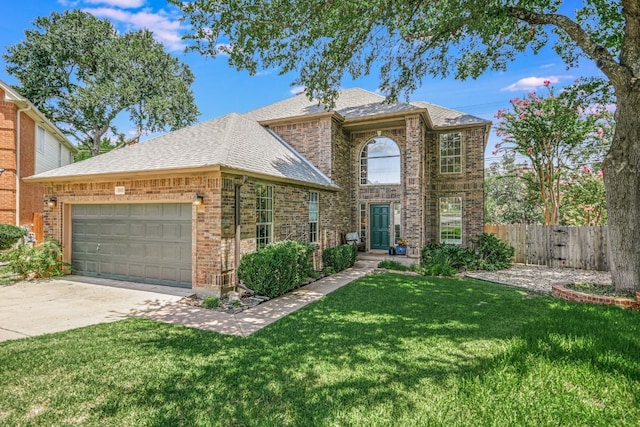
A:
(380, 162)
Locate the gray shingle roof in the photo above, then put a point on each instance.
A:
(300, 105)
(442, 117)
(231, 141)
(356, 102)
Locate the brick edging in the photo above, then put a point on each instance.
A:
(559, 290)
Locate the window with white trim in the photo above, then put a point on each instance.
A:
(264, 215)
(396, 222)
(450, 153)
(451, 220)
(380, 162)
(40, 139)
(363, 222)
(313, 216)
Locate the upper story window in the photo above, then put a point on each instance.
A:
(450, 153)
(380, 162)
(40, 139)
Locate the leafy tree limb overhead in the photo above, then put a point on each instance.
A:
(408, 40)
(82, 74)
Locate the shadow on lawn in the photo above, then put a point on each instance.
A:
(369, 345)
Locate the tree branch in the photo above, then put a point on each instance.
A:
(610, 67)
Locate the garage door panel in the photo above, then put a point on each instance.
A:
(138, 242)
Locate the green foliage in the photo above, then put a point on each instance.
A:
(392, 265)
(488, 253)
(277, 268)
(491, 253)
(82, 74)
(584, 198)
(9, 235)
(555, 133)
(508, 198)
(40, 261)
(340, 257)
(440, 259)
(210, 302)
(405, 41)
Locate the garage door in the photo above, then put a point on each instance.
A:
(148, 243)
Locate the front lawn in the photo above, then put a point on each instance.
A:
(388, 349)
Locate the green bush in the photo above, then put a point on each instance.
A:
(488, 253)
(9, 235)
(439, 259)
(340, 257)
(277, 268)
(492, 253)
(40, 261)
(392, 265)
(211, 302)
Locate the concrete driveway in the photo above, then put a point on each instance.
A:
(35, 308)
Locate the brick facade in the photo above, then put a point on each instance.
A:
(213, 222)
(334, 146)
(31, 194)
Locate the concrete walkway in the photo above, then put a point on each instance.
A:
(253, 319)
(35, 308)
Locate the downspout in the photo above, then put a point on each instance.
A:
(21, 110)
(238, 230)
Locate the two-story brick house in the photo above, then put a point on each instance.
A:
(181, 209)
(29, 144)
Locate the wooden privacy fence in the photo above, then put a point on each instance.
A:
(556, 246)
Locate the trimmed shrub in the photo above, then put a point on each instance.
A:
(340, 257)
(9, 235)
(277, 268)
(439, 259)
(492, 253)
(392, 265)
(40, 261)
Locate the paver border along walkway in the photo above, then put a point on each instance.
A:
(255, 318)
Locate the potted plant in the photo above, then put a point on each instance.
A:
(401, 247)
(392, 250)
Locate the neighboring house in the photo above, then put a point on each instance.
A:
(182, 208)
(26, 134)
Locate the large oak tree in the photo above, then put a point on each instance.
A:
(82, 74)
(407, 40)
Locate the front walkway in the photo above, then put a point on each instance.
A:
(253, 319)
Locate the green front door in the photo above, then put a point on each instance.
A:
(379, 227)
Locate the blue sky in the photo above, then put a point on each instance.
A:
(220, 89)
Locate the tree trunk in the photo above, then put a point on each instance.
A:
(622, 184)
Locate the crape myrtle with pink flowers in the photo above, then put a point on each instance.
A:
(558, 134)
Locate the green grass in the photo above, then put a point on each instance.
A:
(387, 350)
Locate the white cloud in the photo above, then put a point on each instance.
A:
(532, 83)
(165, 28)
(297, 90)
(547, 65)
(127, 4)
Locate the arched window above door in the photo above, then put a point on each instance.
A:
(380, 162)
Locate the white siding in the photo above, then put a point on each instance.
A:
(55, 154)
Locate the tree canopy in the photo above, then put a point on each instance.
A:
(557, 134)
(405, 40)
(408, 40)
(82, 74)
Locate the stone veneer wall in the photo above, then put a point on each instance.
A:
(469, 185)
